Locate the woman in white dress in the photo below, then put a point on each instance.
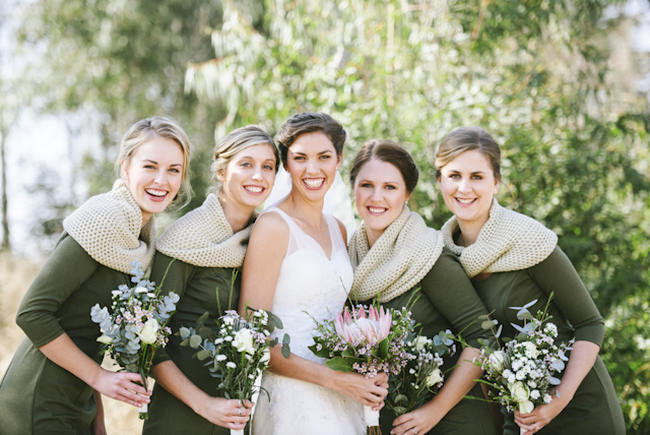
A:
(297, 266)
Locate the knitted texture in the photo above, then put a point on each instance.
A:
(397, 261)
(109, 228)
(508, 241)
(204, 238)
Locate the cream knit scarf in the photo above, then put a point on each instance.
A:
(204, 238)
(507, 241)
(109, 228)
(397, 261)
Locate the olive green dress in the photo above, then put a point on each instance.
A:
(198, 288)
(594, 408)
(448, 301)
(36, 395)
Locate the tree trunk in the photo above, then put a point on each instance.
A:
(5, 245)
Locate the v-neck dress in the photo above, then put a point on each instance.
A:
(310, 286)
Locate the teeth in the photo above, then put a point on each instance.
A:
(156, 192)
(376, 209)
(254, 189)
(311, 182)
(464, 201)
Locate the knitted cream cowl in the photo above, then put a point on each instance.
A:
(109, 228)
(204, 238)
(508, 241)
(397, 261)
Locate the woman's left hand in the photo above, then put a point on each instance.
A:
(415, 422)
(540, 416)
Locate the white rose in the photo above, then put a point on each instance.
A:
(149, 331)
(243, 341)
(518, 391)
(435, 377)
(497, 360)
(105, 339)
(420, 342)
(526, 407)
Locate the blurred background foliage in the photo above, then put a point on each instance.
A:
(552, 80)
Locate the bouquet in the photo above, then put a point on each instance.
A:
(135, 325)
(422, 376)
(366, 340)
(524, 371)
(236, 351)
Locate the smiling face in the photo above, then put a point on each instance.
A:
(248, 178)
(380, 193)
(154, 174)
(312, 163)
(468, 185)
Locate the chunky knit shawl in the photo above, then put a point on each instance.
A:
(397, 261)
(109, 228)
(508, 241)
(204, 238)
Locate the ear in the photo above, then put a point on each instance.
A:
(124, 174)
(339, 160)
(497, 183)
(221, 175)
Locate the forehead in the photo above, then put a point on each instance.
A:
(470, 161)
(257, 151)
(312, 142)
(381, 171)
(158, 148)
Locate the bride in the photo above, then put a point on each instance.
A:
(297, 266)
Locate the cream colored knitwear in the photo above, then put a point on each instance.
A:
(397, 261)
(508, 241)
(109, 228)
(204, 238)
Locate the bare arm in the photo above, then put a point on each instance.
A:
(266, 250)
(227, 413)
(119, 386)
(459, 383)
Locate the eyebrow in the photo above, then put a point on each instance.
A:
(318, 154)
(155, 162)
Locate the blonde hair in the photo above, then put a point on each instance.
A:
(238, 140)
(467, 139)
(142, 131)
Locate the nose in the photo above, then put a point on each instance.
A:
(257, 173)
(464, 185)
(376, 195)
(161, 177)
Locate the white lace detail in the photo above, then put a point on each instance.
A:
(309, 285)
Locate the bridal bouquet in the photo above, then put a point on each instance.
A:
(135, 325)
(236, 351)
(524, 371)
(422, 376)
(367, 340)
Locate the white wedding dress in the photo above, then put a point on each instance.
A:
(309, 285)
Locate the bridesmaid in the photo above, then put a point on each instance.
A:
(54, 381)
(512, 260)
(208, 245)
(394, 254)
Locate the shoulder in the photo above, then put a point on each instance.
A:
(344, 231)
(270, 227)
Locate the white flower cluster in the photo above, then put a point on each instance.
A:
(525, 371)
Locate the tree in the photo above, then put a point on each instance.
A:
(534, 74)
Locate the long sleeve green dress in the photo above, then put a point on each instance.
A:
(448, 301)
(198, 288)
(36, 395)
(594, 408)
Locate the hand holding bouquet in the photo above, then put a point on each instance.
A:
(366, 340)
(236, 351)
(524, 372)
(135, 326)
(422, 376)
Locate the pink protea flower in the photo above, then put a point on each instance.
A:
(357, 326)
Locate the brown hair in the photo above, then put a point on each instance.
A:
(389, 152)
(308, 122)
(467, 139)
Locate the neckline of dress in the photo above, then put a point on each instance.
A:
(329, 232)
